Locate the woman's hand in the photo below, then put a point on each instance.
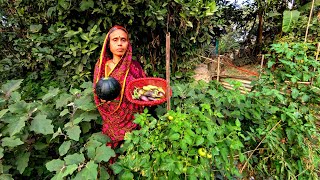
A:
(104, 101)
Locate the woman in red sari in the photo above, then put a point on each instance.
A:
(116, 61)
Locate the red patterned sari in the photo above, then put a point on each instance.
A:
(118, 114)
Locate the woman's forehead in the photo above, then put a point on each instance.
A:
(118, 33)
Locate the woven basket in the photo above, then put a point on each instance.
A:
(139, 83)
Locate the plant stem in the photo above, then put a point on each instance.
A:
(305, 39)
(245, 164)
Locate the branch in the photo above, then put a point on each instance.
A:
(245, 164)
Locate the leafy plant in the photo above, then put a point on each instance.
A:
(55, 137)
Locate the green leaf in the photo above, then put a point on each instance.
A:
(3, 112)
(294, 93)
(88, 116)
(100, 137)
(85, 37)
(59, 132)
(16, 126)
(74, 132)
(104, 173)
(63, 4)
(63, 100)
(11, 86)
(52, 93)
(1, 153)
(75, 158)
(199, 140)
(11, 141)
(91, 148)
(289, 18)
(69, 170)
(22, 162)
(15, 96)
(41, 125)
(19, 107)
(84, 5)
(238, 124)
(34, 28)
(55, 165)
(127, 175)
(64, 112)
(6, 177)
(40, 145)
(174, 136)
(65, 146)
(189, 24)
(90, 171)
(104, 153)
(85, 103)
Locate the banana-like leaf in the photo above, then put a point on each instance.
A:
(289, 18)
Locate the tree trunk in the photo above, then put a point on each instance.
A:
(259, 33)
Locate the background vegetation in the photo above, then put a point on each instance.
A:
(50, 128)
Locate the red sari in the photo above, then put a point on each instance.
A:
(118, 114)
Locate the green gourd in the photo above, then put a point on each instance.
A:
(108, 88)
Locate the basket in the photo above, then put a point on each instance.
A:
(139, 83)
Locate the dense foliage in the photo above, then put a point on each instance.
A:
(50, 128)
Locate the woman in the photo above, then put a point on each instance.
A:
(116, 61)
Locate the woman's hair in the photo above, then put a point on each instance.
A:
(116, 27)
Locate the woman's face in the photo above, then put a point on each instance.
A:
(118, 42)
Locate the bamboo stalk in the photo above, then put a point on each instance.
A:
(261, 66)
(241, 87)
(240, 80)
(235, 77)
(310, 15)
(299, 82)
(241, 91)
(168, 69)
(218, 69)
(245, 164)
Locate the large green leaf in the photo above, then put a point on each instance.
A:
(55, 165)
(65, 146)
(84, 5)
(41, 125)
(91, 148)
(11, 86)
(3, 112)
(11, 141)
(63, 100)
(6, 177)
(19, 107)
(289, 19)
(52, 93)
(90, 171)
(104, 153)
(74, 132)
(85, 103)
(22, 161)
(16, 126)
(75, 158)
(69, 170)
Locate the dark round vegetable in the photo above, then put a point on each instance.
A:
(108, 88)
